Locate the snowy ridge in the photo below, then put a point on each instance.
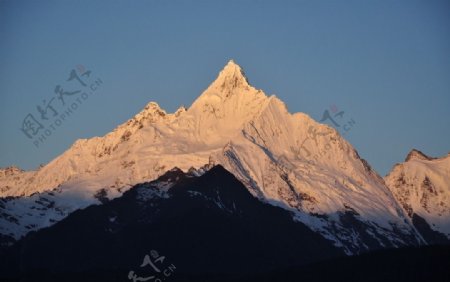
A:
(308, 168)
(288, 160)
(24, 214)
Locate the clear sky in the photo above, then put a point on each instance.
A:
(385, 63)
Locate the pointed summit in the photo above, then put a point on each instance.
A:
(231, 77)
(229, 94)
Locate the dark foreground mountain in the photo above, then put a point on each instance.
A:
(183, 227)
(206, 225)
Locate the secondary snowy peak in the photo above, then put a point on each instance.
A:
(152, 112)
(153, 108)
(422, 185)
(417, 155)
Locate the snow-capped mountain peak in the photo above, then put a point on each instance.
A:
(229, 102)
(152, 111)
(288, 160)
(415, 154)
(231, 77)
(421, 186)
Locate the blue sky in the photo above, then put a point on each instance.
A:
(385, 63)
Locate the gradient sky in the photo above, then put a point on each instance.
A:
(385, 63)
